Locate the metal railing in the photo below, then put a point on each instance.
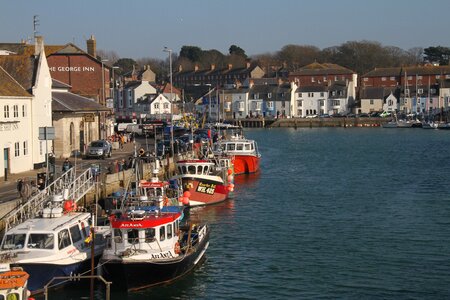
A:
(66, 185)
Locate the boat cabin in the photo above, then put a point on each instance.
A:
(240, 147)
(48, 233)
(195, 167)
(145, 231)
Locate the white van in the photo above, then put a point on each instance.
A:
(134, 128)
(121, 127)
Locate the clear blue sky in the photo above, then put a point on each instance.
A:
(141, 28)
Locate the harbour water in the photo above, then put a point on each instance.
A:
(356, 213)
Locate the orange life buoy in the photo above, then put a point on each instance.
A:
(177, 248)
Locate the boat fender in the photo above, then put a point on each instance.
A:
(177, 248)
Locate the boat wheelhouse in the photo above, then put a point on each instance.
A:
(150, 246)
(205, 181)
(55, 243)
(245, 153)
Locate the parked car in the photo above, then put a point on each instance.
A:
(99, 149)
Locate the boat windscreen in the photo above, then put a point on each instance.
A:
(14, 241)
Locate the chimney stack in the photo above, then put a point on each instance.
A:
(38, 45)
(213, 67)
(92, 46)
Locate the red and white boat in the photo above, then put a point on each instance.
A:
(245, 153)
(204, 181)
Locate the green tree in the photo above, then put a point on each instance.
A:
(125, 65)
(235, 50)
(437, 54)
(192, 53)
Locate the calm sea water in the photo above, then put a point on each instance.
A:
(358, 213)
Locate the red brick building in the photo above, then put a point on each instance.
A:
(82, 71)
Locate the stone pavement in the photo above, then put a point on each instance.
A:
(11, 179)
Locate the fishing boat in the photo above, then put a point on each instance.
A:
(151, 245)
(204, 181)
(55, 243)
(13, 283)
(245, 152)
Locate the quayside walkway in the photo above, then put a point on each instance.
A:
(71, 185)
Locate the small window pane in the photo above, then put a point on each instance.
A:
(162, 233)
(75, 233)
(169, 231)
(14, 241)
(149, 235)
(41, 241)
(63, 239)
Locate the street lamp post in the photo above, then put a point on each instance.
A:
(170, 99)
(103, 101)
(114, 87)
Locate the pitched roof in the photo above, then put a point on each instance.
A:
(413, 70)
(316, 68)
(21, 68)
(60, 85)
(317, 88)
(68, 102)
(10, 87)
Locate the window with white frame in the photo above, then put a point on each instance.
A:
(392, 78)
(299, 95)
(270, 105)
(300, 103)
(310, 95)
(6, 111)
(227, 105)
(156, 105)
(321, 94)
(24, 110)
(166, 105)
(255, 96)
(335, 78)
(25, 148)
(419, 77)
(241, 105)
(371, 101)
(16, 149)
(366, 79)
(16, 110)
(312, 79)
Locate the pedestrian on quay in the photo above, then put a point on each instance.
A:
(19, 185)
(67, 165)
(124, 165)
(130, 162)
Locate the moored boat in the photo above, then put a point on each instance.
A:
(245, 153)
(204, 181)
(13, 283)
(151, 246)
(56, 243)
